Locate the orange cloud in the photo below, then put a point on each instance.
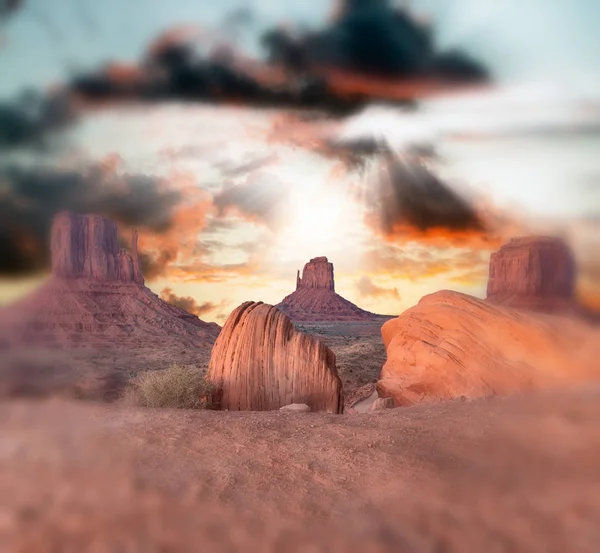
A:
(414, 263)
(178, 244)
(367, 287)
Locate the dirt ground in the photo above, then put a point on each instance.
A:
(102, 374)
(511, 475)
(358, 349)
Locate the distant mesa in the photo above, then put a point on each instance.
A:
(260, 362)
(537, 273)
(96, 296)
(315, 298)
(86, 246)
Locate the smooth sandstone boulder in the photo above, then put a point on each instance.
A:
(451, 345)
(260, 362)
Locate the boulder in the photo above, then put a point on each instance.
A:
(533, 272)
(296, 407)
(451, 345)
(260, 362)
(382, 403)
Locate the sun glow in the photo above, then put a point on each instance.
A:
(321, 221)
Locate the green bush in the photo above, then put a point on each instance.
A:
(177, 387)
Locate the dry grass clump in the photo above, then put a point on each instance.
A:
(177, 387)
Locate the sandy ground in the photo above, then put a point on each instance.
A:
(516, 474)
(101, 374)
(358, 349)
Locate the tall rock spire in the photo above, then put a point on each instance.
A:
(317, 273)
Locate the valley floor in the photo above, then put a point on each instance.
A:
(514, 474)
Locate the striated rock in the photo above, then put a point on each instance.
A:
(260, 362)
(317, 273)
(532, 272)
(451, 345)
(296, 407)
(382, 403)
(86, 246)
(315, 298)
(97, 298)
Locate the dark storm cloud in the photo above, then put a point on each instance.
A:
(31, 197)
(26, 121)
(187, 303)
(9, 7)
(367, 38)
(411, 195)
(372, 37)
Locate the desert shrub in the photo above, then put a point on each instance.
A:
(176, 387)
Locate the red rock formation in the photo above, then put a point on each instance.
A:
(315, 298)
(86, 246)
(317, 273)
(97, 297)
(533, 272)
(260, 362)
(451, 345)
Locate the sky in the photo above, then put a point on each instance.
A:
(260, 199)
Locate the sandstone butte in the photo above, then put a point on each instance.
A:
(260, 362)
(97, 297)
(451, 345)
(536, 273)
(315, 298)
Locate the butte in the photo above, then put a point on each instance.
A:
(96, 297)
(315, 299)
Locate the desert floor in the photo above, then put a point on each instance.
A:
(101, 374)
(514, 474)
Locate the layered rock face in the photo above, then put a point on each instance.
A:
(533, 272)
(260, 362)
(86, 246)
(451, 345)
(315, 298)
(96, 297)
(317, 274)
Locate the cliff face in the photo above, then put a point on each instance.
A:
(315, 298)
(537, 272)
(97, 297)
(317, 274)
(86, 246)
(451, 345)
(260, 362)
